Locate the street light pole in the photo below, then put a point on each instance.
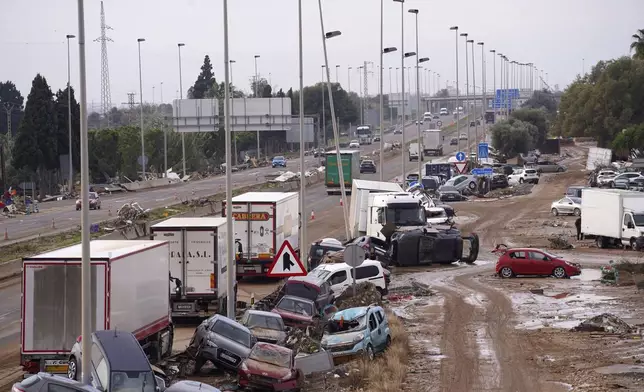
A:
(183, 135)
(232, 111)
(70, 184)
(337, 67)
(349, 79)
(493, 51)
(391, 108)
(419, 140)
(483, 80)
(303, 242)
(86, 274)
(323, 110)
(257, 95)
(398, 94)
(467, 91)
(402, 69)
(231, 267)
(455, 28)
(382, 101)
(476, 126)
(139, 40)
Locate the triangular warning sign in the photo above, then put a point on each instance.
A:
(286, 263)
(461, 167)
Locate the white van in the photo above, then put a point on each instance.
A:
(339, 275)
(443, 112)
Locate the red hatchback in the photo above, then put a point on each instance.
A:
(530, 261)
(270, 367)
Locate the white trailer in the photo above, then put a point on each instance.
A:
(198, 255)
(359, 207)
(612, 216)
(433, 142)
(598, 157)
(262, 222)
(415, 151)
(129, 292)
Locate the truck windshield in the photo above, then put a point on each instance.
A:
(132, 382)
(406, 214)
(638, 220)
(363, 131)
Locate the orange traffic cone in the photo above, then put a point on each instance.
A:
(312, 215)
(6, 234)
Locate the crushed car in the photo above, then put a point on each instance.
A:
(296, 312)
(270, 367)
(354, 332)
(266, 327)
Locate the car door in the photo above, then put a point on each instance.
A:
(540, 264)
(565, 205)
(519, 264)
(326, 295)
(374, 330)
(338, 281)
(383, 326)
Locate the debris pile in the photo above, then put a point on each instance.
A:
(416, 289)
(305, 341)
(515, 190)
(129, 213)
(560, 242)
(366, 294)
(605, 322)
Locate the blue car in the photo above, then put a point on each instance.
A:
(362, 331)
(279, 162)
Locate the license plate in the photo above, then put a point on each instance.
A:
(184, 306)
(56, 366)
(228, 358)
(249, 268)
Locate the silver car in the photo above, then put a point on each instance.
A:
(50, 382)
(549, 167)
(566, 206)
(461, 183)
(265, 326)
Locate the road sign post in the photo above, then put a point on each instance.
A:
(483, 151)
(460, 156)
(286, 263)
(461, 167)
(354, 256)
(486, 171)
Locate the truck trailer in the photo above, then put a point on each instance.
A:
(129, 283)
(262, 222)
(359, 207)
(198, 257)
(614, 217)
(433, 142)
(350, 170)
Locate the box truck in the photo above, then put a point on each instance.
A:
(350, 170)
(129, 292)
(198, 255)
(614, 217)
(262, 222)
(415, 152)
(433, 142)
(359, 207)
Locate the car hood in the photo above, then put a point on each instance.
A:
(293, 316)
(266, 369)
(268, 334)
(340, 338)
(228, 344)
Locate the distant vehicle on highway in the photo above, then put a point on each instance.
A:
(530, 261)
(435, 117)
(444, 112)
(367, 166)
(398, 131)
(376, 139)
(94, 202)
(279, 161)
(453, 141)
(462, 136)
(354, 144)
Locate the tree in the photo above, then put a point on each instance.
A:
(264, 90)
(62, 123)
(280, 94)
(443, 93)
(35, 147)
(630, 141)
(637, 45)
(536, 117)
(11, 102)
(204, 81)
(543, 99)
(511, 137)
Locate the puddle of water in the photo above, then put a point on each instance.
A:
(589, 274)
(560, 386)
(620, 369)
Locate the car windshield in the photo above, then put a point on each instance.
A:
(320, 272)
(576, 200)
(302, 290)
(132, 382)
(278, 158)
(342, 326)
(232, 332)
(274, 357)
(92, 195)
(294, 306)
(267, 322)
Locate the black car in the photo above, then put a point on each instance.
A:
(453, 141)
(472, 123)
(320, 248)
(367, 166)
(436, 117)
(451, 196)
(498, 181)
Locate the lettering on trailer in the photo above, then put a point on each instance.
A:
(196, 254)
(253, 216)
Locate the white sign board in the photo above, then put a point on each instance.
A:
(196, 115)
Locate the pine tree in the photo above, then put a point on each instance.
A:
(35, 148)
(204, 81)
(63, 126)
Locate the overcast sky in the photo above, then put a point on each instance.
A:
(554, 34)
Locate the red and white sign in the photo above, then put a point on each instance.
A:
(286, 263)
(461, 167)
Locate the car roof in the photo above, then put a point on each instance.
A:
(338, 266)
(298, 299)
(263, 313)
(219, 317)
(122, 351)
(306, 279)
(526, 250)
(273, 347)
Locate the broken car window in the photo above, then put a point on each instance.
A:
(273, 357)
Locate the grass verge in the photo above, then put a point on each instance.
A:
(388, 371)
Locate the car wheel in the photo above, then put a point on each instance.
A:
(72, 369)
(520, 180)
(611, 184)
(555, 212)
(559, 273)
(577, 212)
(99, 207)
(560, 170)
(77, 208)
(369, 354)
(472, 185)
(506, 272)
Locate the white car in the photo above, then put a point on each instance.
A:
(340, 277)
(606, 177)
(567, 205)
(354, 144)
(524, 175)
(462, 136)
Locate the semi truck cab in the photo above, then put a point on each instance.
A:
(399, 209)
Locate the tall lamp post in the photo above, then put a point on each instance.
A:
(391, 108)
(256, 95)
(476, 126)
(139, 40)
(402, 68)
(455, 29)
(382, 107)
(484, 106)
(323, 110)
(302, 208)
(349, 79)
(337, 67)
(183, 135)
(232, 110)
(418, 139)
(493, 51)
(467, 91)
(70, 184)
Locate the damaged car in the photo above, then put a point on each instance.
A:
(362, 331)
(222, 341)
(266, 327)
(296, 312)
(270, 367)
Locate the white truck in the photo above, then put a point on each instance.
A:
(614, 217)
(433, 142)
(364, 134)
(198, 257)
(359, 207)
(263, 221)
(129, 292)
(415, 152)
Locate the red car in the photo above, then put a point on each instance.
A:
(295, 311)
(271, 367)
(530, 261)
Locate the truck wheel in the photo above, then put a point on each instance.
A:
(633, 244)
(577, 212)
(555, 212)
(600, 241)
(559, 273)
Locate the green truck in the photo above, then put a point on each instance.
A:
(350, 169)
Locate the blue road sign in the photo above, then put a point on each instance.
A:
(483, 150)
(460, 156)
(486, 171)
